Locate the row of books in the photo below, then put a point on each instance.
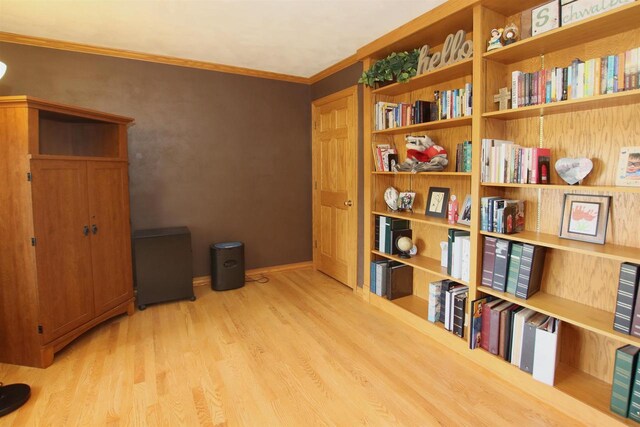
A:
(458, 254)
(455, 103)
(398, 114)
(625, 388)
(447, 302)
(500, 215)
(519, 335)
(512, 267)
(506, 162)
(388, 230)
(627, 316)
(385, 157)
(391, 279)
(463, 157)
(596, 76)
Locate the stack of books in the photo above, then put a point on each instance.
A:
(505, 162)
(625, 389)
(388, 230)
(385, 157)
(512, 267)
(390, 115)
(458, 260)
(519, 335)
(447, 301)
(499, 215)
(454, 103)
(627, 315)
(580, 79)
(391, 279)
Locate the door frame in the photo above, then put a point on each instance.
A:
(352, 182)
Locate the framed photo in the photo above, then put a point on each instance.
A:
(465, 212)
(585, 217)
(545, 17)
(437, 202)
(405, 201)
(628, 172)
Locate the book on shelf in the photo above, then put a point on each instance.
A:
(399, 281)
(384, 155)
(387, 229)
(454, 252)
(546, 351)
(504, 341)
(477, 308)
(529, 340)
(494, 325)
(634, 402)
(505, 162)
(488, 260)
(623, 379)
(434, 307)
(514, 267)
(626, 298)
(446, 285)
(510, 313)
(381, 278)
(500, 266)
(374, 286)
(453, 290)
(531, 268)
(485, 330)
(459, 303)
(519, 320)
(463, 157)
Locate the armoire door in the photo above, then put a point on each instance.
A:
(63, 245)
(110, 233)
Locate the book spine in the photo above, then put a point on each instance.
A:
(434, 301)
(634, 404)
(459, 303)
(524, 273)
(488, 260)
(500, 265)
(622, 380)
(514, 268)
(372, 278)
(627, 291)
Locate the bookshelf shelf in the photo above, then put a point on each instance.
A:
(459, 174)
(430, 265)
(613, 22)
(584, 316)
(438, 124)
(608, 250)
(571, 106)
(453, 71)
(422, 219)
(569, 188)
(416, 305)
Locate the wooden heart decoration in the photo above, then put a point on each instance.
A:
(574, 170)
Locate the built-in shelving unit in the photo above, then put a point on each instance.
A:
(580, 279)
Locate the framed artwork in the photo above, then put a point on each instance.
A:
(585, 217)
(405, 201)
(465, 212)
(437, 202)
(628, 172)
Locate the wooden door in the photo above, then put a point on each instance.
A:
(110, 234)
(335, 172)
(63, 245)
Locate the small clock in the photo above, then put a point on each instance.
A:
(391, 198)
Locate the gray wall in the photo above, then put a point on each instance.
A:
(228, 156)
(334, 83)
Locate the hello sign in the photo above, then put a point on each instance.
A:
(455, 49)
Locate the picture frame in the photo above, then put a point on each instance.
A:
(628, 172)
(465, 211)
(437, 202)
(585, 217)
(405, 201)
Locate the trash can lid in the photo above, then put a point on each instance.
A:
(227, 245)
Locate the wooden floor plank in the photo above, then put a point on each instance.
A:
(299, 350)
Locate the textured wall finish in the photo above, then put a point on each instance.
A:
(228, 156)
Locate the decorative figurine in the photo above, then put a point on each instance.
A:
(510, 34)
(503, 97)
(494, 41)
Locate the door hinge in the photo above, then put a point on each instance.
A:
(40, 330)
(34, 241)
(29, 176)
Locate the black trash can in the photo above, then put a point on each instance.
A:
(227, 266)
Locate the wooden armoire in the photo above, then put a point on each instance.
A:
(65, 251)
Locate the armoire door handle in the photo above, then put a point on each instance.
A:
(85, 230)
(94, 229)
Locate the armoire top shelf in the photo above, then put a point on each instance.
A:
(450, 72)
(613, 22)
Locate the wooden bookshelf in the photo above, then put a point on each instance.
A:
(438, 124)
(583, 292)
(423, 219)
(608, 250)
(571, 106)
(607, 24)
(568, 188)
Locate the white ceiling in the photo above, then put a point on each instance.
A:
(295, 37)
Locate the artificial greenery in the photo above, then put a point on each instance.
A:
(398, 66)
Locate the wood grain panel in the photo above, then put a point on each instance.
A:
(108, 186)
(63, 249)
(588, 352)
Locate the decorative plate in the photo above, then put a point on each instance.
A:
(391, 198)
(573, 170)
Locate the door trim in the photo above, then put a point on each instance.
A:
(352, 238)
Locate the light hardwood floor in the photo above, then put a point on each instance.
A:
(300, 350)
